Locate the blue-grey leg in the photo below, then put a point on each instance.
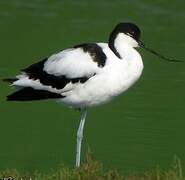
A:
(80, 136)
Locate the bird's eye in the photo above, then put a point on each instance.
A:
(130, 34)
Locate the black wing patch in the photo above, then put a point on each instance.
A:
(30, 94)
(35, 71)
(95, 52)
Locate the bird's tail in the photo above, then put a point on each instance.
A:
(10, 80)
(30, 94)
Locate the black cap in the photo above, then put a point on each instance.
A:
(127, 28)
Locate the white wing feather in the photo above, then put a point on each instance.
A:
(72, 63)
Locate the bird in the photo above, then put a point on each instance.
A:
(85, 75)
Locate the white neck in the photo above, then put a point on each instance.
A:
(123, 42)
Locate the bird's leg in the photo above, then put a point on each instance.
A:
(80, 136)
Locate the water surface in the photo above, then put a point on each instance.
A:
(138, 130)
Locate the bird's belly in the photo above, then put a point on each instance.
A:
(99, 89)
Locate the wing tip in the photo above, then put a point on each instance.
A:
(30, 94)
(9, 80)
(10, 98)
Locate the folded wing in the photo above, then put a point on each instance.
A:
(60, 72)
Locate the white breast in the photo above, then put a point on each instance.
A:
(113, 79)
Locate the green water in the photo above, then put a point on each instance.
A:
(142, 128)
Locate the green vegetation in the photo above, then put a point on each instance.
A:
(93, 170)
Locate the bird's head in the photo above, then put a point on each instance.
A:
(129, 33)
(125, 33)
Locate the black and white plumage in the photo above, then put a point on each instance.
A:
(84, 76)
